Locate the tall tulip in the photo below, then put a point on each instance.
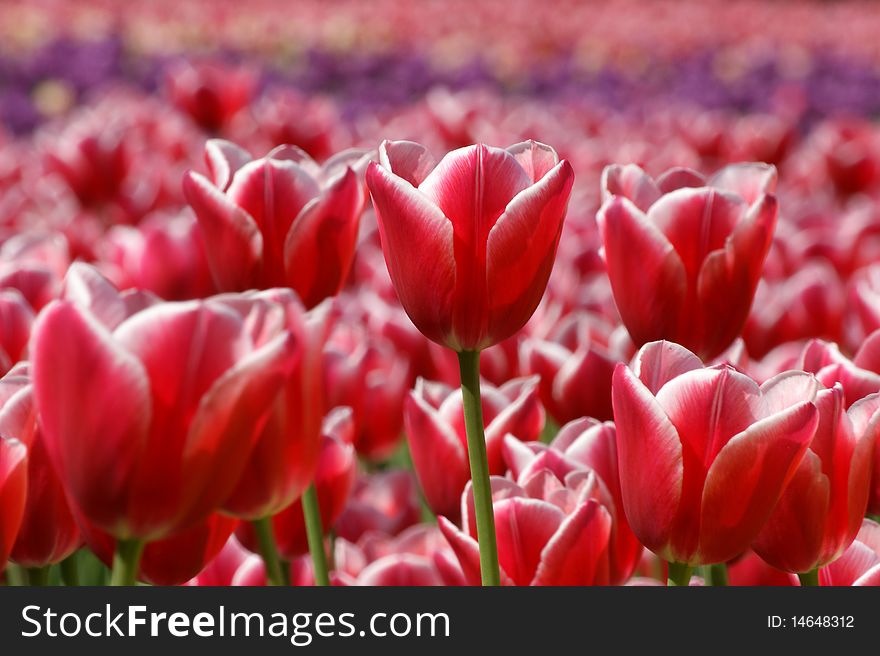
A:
(821, 509)
(687, 436)
(684, 255)
(470, 244)
(150, 425)
(278, 221)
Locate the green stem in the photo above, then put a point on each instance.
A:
(70, 570)
(469, 366)
(679, 575)
(126, 561)
(268, 551)
(38, 576)
(315, 535)
(716, 575)
(15, 575)
(810, 578)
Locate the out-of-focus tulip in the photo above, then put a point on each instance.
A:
(364, 372)
(821, 509)
(435, 429)
(209, 92)
(334, 480)
(189, 392)
(749, 569)
(387, 502)
(470, 242)
(685, 255)
(550, 531)
(830, 366)
(284, 458)
(687, 436)
(575, 365)
(278, 221)
(860, 563)
(13, 487)
(16, 317)
(418, 556)
(49, 532)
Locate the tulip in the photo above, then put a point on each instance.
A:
(49, 532)
(685, 255)
(821, 509)
(575, 367)
(435, 430)
(233, 565)
(278, 221)
(190, 392)
(551, 531)
(386, 502)
(210, 93)
(469, 242)
(13, 490)
(485, 223)
(687, 436)
(860, 563)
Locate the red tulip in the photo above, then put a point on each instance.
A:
(13, 488)
(821, 509)
(209, 92)
(550, 531)
(575, 367)
(279, 221)
(49, 532)
(686, 437)
(831, 366)
(387, 502)
(470, 242)
(684, 255)
(333, 482)
(284, 458)
(584, 445)
(189, 392)
(860, 563)
(364, 372)
(435, 429)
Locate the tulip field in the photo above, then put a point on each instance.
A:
(440, 293)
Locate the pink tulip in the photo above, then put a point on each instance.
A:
(387, 502)
(49, 532)
(16, 317)
(687, 436)
(189, 392)
(435, 429)
(684, 255)
(821, 509)
(13, 489)
(278, 221)
(469, 242)
(550, 531)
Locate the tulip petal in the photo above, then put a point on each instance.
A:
(224, 158)
(467, 551)
(536, 158)
(233, 241)
(657, 363)
(578, 553)
(407, 159)
(417, 240)
(523, 528)
(757, 463)
(631, 182)
(94, 451)
(748, 180)
(649, 460)
(680, 178)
